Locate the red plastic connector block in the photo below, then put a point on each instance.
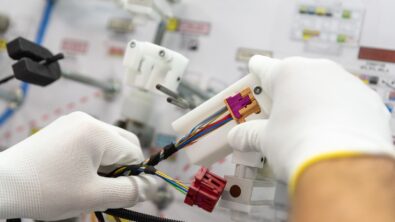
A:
(205, 190)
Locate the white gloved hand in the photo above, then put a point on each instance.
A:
(319, 111)
(53, 174)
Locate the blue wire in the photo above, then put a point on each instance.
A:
(44, 22)
(208, 130)
(222, 110)
(173, 183)
(169, 181)
(9, 112)
(219, 112)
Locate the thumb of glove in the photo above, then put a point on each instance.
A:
(123, 192)
(247, 137)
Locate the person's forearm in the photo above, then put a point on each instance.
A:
(346, 190)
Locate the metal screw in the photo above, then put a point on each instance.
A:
(162, 53)
(132, 44)
(258, 90)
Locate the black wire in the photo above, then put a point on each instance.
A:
(136, 216)
(128, 214)
(14, 220)
(6, 79)
(99, 217)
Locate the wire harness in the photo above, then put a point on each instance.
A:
(236, 108)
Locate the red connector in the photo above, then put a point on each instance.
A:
(205, 190)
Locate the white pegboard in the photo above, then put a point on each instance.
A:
(263, 25)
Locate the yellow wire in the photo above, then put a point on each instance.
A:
(196, 131)
(162, 174)
(178, 183)
(119, 170)
(177, 188)
(170, 178)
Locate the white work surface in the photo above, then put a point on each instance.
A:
(256, 24)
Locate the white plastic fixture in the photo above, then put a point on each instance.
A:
(149, 64)
(213, 146)
(147, 8)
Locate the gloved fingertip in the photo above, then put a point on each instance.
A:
(118, 192)
(147, 186)
(131, 137)
(121, 152)
(246, 137)
(261, 65)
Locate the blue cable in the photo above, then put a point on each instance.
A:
(8, 112)
(219, 112)
(169, 181)
(206, 131)
(173, 183)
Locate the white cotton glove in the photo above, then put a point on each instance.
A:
(53, 174)
(319, 111)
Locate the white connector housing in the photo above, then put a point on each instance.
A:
(149, 64)
(214, 146)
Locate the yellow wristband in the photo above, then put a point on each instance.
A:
(327, 156)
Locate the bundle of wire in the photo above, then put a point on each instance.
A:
(213, 122)
(203, 128)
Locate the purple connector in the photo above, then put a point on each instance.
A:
(238, 102)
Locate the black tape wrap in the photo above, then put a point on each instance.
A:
(134, 169)
(154, 159)
(168, 150)
(149, 170)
